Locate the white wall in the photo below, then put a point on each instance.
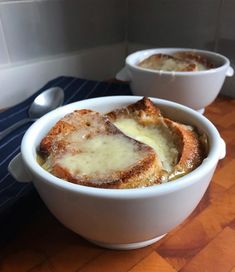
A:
(34, 29)
(20, 81)
(42, 39)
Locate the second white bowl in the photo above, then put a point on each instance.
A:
(193, 89)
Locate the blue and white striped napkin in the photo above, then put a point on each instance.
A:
(75, 89)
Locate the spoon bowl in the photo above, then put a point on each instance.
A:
(45, 102)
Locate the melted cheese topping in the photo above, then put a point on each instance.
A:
(101, 155)
(171, 64)
(164, 64)
(154, 136)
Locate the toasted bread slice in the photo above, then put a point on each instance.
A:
(85, 148)
(167, 63)
(180, 61)
(195, 58)
(178, 146)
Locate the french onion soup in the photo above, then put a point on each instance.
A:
(130, 147)
(179, 62)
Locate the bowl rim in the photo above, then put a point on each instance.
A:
(208, 165)
(150, 51)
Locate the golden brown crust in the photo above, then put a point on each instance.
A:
(142, 174)
(194, 56)
(153, 60)
(143, 111)
(62, 128)
(145, 172)
(186, 61)
(191, 149)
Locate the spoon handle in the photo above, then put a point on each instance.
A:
(8, 130)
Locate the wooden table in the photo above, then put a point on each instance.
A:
(35, 241)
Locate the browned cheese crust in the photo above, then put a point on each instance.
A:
(146, 171)
(143, 111)
(187, 61)
(89, 124)
(194, 56)
(190, 147)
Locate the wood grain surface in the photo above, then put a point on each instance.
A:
(204, 242)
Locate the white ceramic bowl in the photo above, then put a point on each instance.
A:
(119, 218)
(193, 89)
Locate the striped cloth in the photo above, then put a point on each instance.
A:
(75, 89)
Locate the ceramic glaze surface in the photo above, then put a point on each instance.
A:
(195, 89)
(123, 218)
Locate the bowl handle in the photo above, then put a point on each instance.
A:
(18, 170)
(123, 75)
(230, 71)
(222, 149)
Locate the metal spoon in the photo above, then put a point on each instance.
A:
(42, 104)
